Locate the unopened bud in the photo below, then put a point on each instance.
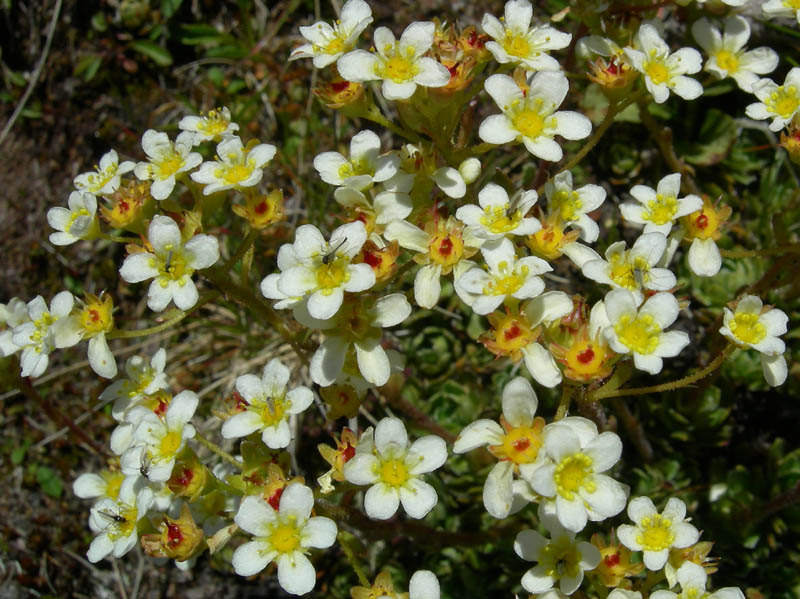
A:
(178, 539)
(470, 170)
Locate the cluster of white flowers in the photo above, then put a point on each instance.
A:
(432, 204)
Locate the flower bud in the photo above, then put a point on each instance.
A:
(615, 565)
(340, 94)
(470, 170)
(261, 210)
(382, 260)
(189, 477)
(131, 205)
(178, 539)
(791, 143)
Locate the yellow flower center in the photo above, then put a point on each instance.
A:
(285, 537)
(96, 316)
(332, 275)
(573, 473)
(123, 524)
(656, 533)
(172, 266)
(793, 4)
(516, 44)
(214, 124)
(561, 558)
(656, 70)
(784, 101)
(396, 67)
(354, 168)
(498, 220)
(170, 165)
(640, 334)
(271, 410)
(335, 46)
(509, 335)
(394, 473)
(727, 61)
(521, 445)
(170, 444)
(622, 271)
(529, 122)
(746, 327)
(508, 281)
(42, 325)
(567, 204)
(236, 173)
(661, 210)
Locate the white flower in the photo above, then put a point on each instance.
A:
(443, 248)
(664, 71)
(363, 168)
(269, 406)
(328, 43)
(573, 205)
(421, 161)
(532, 117)
(165, 160)
(778, 102)
(569, 472)
(157, 443)
(284, 536)
(235, 166)
(37, 336)
(655, 534)
(76, 222)
(92, 321)
(640, 331)
(423, 585)
(393, 469)
(692, 579)
(658, 208)
(105, 180)
(171, 266)
(470, 170)
(560, 559)
(322, 270)
(215, 125)
(142, 378)
(497, 216)
(781, 8)
(751, 326)
(633, 269)
(506, 276)
(357, 324)
(726, 55)
(12, 314)
(116, 521)
(106, 484)
(515, 442)
(385, 207)
(516, 42)
(400, 64)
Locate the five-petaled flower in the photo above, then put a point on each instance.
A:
(393, 470)
(284, 536)
(170, 265)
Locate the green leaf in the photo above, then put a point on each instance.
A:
(49, 481)
(192, 35)
(717, 135)
(87, 66)
(18, 454)
(153, 51)
(170, 7)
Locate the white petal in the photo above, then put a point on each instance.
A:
(319, 532)
(427, 287)
(251, 558)
(296, 574)
(497, 492)
(478, 433)
(390, 434)
(254, 515)
(372, 361)
(418, 498)
(426, 455)
(241, 425)
(519, 402)
(381, 501)
(100, 357)
(423, 585)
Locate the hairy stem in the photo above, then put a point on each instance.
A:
(686, 381)
(214, 448)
